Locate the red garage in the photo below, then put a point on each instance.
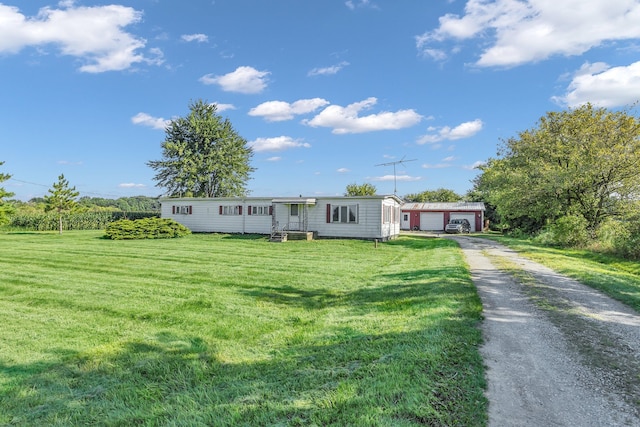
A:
(434, 216)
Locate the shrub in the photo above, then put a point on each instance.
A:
(567, 231)
(621, 237)
(146, 228)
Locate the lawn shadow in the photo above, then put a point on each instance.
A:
(412, 287)
(105, 383)
(181, 380)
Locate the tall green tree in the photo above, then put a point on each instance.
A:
(365, 189)
(583, 161)
(61, 199)
(439, 195)
(5, 208)
(203, 156)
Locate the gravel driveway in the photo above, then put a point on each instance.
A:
(557, 353)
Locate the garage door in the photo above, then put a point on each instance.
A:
(468, 216)
(432, 221)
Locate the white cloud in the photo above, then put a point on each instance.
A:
(436, 166)
(224, 107)
(463, 130)
(93, 34)
(475, 165)
(243, 80)
(279, 143)
(199, 38)
(346, 120)
(353, 4)
(405, 178)
(277, 111)
(131, 185)
(603, 86)
(145, 119)
(533, 30)
(334, 69)
(274, 159)
(343, 170)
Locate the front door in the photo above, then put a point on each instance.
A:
(294, 218)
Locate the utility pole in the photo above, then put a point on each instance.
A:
(398, 162)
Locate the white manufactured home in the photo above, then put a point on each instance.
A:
(364, 217)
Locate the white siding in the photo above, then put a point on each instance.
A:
(205, 216)
(369, 225)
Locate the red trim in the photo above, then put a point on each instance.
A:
(173, 209)
(270, 210)
(249, 210)
(220, 209)
(328, 213)
(240, 210)
(190, 210)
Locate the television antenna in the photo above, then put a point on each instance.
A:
(397, 162)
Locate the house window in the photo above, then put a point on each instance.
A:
(182, 210)
(294, 210)
(230, 210)
(406, 217)
(260, 210)
(386, 214)
(344, 214)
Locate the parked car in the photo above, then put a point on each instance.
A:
(458, 226)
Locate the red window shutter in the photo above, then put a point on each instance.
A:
(173, 209)
(248, 210)
(270, 210)
(328, 213)
(240, 210)
(190, 210)
(220, 210)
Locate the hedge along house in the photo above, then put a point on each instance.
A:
(366, 217)
(434, 216)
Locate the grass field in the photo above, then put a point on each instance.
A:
(234, 330)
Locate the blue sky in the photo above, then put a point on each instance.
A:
(323, 90)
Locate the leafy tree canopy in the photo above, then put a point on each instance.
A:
(583, 161)
(439, 195)
(203, 156)
(5, 208)
(61, 198)
(365, 189)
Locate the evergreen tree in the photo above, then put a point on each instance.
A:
(5, 208)
(61, 199)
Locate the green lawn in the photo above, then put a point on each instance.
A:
(234, 330)
(614, 276)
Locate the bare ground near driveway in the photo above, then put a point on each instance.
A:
(557, 353)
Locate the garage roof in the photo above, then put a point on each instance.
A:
(444, 206)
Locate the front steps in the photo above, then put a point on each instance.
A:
(283, 236)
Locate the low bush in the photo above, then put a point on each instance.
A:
(620, 237)
(146, 228)
(567, 231)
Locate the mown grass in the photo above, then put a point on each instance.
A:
(234, 330)
(617, 277)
